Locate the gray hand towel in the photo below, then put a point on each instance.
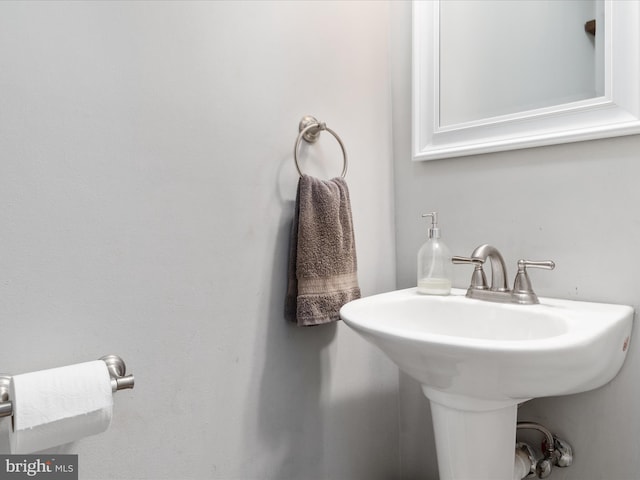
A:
(322, 272)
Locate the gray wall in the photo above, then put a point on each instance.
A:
(146, 192)
(575, 204)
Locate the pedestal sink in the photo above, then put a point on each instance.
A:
(477, 360)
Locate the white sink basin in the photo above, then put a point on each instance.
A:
(495, 351)
(475, 356)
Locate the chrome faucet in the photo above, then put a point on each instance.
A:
(522, 292)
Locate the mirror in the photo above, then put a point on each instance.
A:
(496, 75)
(549, 58)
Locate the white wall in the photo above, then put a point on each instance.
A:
(146, 192)
(575, 204)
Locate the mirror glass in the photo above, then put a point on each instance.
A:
(496, 75)
(501, 57)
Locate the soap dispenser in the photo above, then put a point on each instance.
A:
(434, 262)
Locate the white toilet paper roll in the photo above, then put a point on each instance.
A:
(60, 405)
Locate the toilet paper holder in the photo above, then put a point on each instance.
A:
(117, 371)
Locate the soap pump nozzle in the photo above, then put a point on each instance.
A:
(434, 231)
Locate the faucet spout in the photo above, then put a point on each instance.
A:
(498, 267)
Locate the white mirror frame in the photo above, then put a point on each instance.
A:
(614, 114)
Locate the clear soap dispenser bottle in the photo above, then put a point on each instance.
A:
(435, 270)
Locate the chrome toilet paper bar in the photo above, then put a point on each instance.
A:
(117, 371)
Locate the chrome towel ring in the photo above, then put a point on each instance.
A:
(310, 129)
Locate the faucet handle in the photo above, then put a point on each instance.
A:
(546, 264)
(478, 278)
(522, 288)
(467, 260)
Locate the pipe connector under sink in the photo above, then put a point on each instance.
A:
(555, 452)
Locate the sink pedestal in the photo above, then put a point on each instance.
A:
(475, 439)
